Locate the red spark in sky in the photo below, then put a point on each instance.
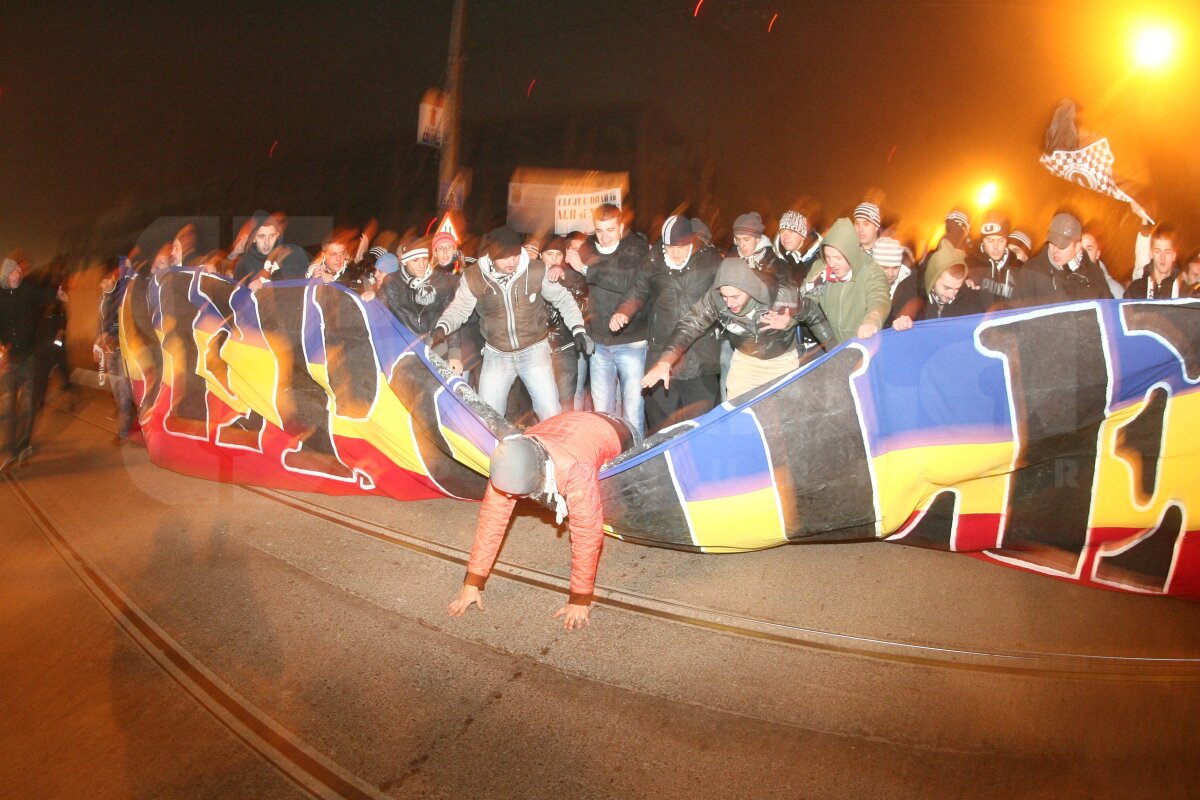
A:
(429, 227)
(271, 152)
(891, 153)
(696, 13)
(771, 24)
(529, 91)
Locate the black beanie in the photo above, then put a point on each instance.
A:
(501, 243)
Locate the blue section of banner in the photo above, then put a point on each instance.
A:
(708, 468)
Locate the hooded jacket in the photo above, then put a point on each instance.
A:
(512, 308)
(994, 278)
(670, 293)
(609, 277)
(419, 302)
(924, 305)
(742, 327)
(1146, 288)
(865, 297)
(1039, 282)
(293, 263)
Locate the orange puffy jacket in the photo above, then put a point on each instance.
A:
(578, 442)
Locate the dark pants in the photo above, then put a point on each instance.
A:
(16, 386)
(49, 355)
(684, 400)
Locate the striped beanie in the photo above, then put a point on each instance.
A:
(6, 269)
(418, 249)
(959, 217)
(677, 231)
(794, 221)
(869, 212)
(887, 252)
(1022, 240)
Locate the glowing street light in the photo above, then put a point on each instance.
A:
(1154, 47)
(987, 195)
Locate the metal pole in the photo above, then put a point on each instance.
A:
(448, 167)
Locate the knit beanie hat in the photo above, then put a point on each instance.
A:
(702, 231)
(1021, 239)
(503, 242)
(417, 249)
(994, 225)
(749, 224)
(888, 252)
(794, 221)
(558, 243)
(959, 218)
(677, 231)
(5, 270)
(869, 212)
(440, 238)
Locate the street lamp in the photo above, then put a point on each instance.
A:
(1153, 47)
(987, 195)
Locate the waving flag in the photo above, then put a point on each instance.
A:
(1090, 166)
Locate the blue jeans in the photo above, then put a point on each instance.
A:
(122, 393)
(533, 366)
(624, 364)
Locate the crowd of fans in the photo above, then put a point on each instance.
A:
(653, 333)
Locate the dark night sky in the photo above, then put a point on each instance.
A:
(101, 104)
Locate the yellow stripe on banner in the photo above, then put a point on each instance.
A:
(204, 341)
(252, 377)
(1118, 501)
(388, 429)
(909, 479)
(749, 521)
(466, 452)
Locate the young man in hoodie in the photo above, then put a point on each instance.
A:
(991, 266)
(266, 257)
(680, 274)
(792, 244)
(946, 293)
(756, 315)
(755, 248)
(511, 292)
(610, 260)
(848, 285)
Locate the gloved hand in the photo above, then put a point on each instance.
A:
(584, 343)
(437, 336)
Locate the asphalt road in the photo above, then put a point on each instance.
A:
(162, 636)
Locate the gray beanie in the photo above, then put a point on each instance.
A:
(750, 223)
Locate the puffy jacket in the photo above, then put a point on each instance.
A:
(1039, 282)
(670, 293)
(512, 309)
(863, 298)
(578, 442)
(742, 328)
(609, 277)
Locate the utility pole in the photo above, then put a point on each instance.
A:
(448, 167)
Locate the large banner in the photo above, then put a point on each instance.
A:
(1059, 440)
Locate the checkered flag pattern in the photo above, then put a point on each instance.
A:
(1090, 167)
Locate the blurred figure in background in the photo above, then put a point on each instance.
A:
(20, 304)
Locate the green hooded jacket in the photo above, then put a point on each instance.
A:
(863, 298)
